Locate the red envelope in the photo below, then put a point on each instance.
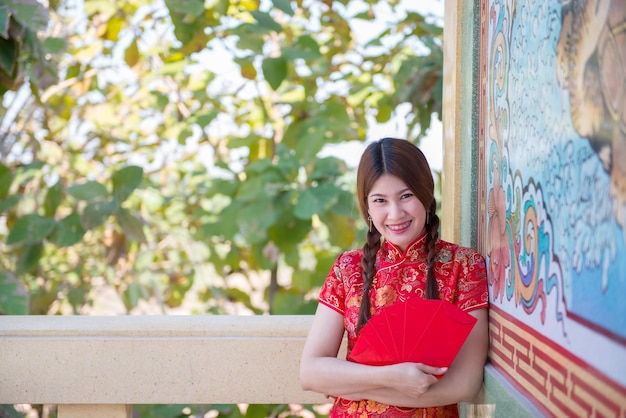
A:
(418, 330)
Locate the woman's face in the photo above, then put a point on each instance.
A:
(396, 212)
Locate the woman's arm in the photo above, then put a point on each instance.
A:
(321, 371)
(460, 383)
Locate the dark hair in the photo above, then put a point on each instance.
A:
(404, 160)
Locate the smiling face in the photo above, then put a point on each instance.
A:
(396, 212)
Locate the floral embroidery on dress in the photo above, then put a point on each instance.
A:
(385, 296)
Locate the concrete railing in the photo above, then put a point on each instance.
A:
(98, 366)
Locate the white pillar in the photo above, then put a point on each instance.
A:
(94, 411)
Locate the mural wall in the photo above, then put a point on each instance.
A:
(552, 133)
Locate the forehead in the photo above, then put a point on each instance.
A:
(388, 185)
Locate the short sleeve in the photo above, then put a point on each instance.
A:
(472, 290)
(333, 292)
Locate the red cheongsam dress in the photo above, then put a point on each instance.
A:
(461, 279)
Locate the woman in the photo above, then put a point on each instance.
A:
(403, 257)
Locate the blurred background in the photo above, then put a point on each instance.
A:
(197, 157)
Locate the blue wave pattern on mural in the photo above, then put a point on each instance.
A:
(554, 231)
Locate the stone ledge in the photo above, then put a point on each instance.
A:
(152, 359)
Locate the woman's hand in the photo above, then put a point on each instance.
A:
(415, 378)
(401, 382)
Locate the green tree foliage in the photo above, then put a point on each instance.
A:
(152, 146)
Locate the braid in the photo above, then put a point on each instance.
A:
(431, 239)
(370, 248)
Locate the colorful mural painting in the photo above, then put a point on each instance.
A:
(552, 133)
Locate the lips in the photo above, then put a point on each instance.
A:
(399, 227)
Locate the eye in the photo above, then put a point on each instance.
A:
(406, 196)
(378, 200)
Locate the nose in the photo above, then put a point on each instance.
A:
(395, 210)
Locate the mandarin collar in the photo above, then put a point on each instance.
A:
(416, 250)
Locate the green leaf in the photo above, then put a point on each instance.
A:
(315, 200)
(29, 260)
(383, 112)
(305, 48)
(328, 168)
(243, 297)
(113, 27)
(125, 181)
(287, 303)
(5, 20)
(263, 178)
(9, 411)
(265, 20)
(220, 6)
(302, 279)
(255, 218)
(68, 231)
(257, 411)
(54, 45)
(335, 116)
(227, 226)
(346, 204)
(96, 213)
(308, 204)
(132, 54)
(250, 37)
(284, 5)
(88, 191)
(190, 22)
(53, 199)
(5, 180)
(184, 7)
(30, 13)
(309, 136)
(343, 229)
(224, 187)
(9, 202)
(27, 172)
(8, 57)
(133, 293)
(274, 71)
(132, 227)
(203, 118)
(41, 299)
(325, 260)
(289, 231)
(173, 68)
(76, 297)
(179, 284)
(233, 259)
(287, 162)
(247, 141)
(13, 295)
(30, 229)
(247, 68)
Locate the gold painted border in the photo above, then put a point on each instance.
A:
(552, 377)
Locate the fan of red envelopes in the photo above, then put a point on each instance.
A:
(418, 330)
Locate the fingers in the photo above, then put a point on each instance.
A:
(436, 371)
(414, 379)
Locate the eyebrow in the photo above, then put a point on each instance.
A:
(383, 195)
